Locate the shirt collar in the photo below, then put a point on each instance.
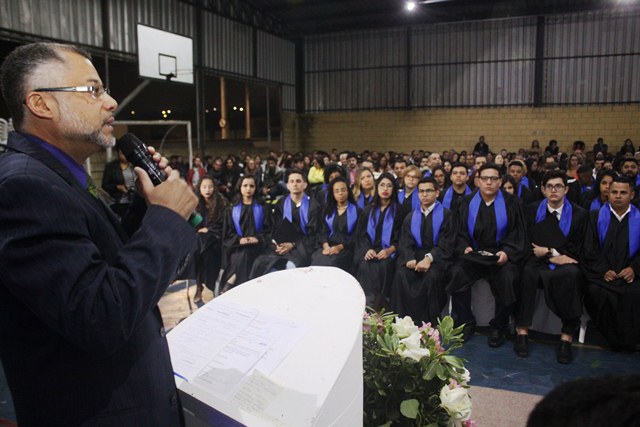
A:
(559, 210)
(620, 217)
(429, 209)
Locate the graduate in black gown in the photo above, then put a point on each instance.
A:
(556, 230)
(517, 169)
(331, 172)
(452, 196)
(408, 194)
(593, 200)
(291, 249)
(207, 259)
(364, 188)
(246, 234)
(377, 242)
(489, 220)
(338, 228)
(425, 253)
(612, 267)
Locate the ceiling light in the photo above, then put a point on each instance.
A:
(410, 6)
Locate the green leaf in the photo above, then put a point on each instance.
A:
(409, 408)
(430, 371)
(454, 361)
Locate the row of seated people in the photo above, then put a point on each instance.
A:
(413, 255)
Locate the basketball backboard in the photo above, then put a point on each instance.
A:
(164, 55)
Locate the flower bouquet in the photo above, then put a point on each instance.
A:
(410, 377)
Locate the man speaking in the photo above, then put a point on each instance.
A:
(81, 337)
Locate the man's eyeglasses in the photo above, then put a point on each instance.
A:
(556, 187)
(489, 178)
(96, 91)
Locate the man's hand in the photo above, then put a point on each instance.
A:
(610, 276)
(248, 240)
(539, 251)
(468, 249)
(369, 255)
(203, 230)
(424, 265)
(627, 274)
(284, 248)
(502, 258)
(562, 260)
(174, 193)
(411, 264)
(384, 254)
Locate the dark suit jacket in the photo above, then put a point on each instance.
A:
(81, 337)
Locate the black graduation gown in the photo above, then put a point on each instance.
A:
(614, 305)
(563, 286)
(422, 295)
(456, 199)
(502, 279)
(340, 236)
(208, 257)
(239, 258)
(375, 276)
(300, 255)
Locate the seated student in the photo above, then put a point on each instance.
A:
(331, 172)
(377, 241)
(489, 220)
(599, 195)
(612, 266)
(629, 168)
(245, 234)
(554, 267)
(364, 188)
(425, 252)
(452, 196)
(518, 171)
(338, 226)
(441, 177)
(509, 185)
(301, 212)
(407, 195)
(582, 185)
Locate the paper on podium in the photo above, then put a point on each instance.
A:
(284, 349)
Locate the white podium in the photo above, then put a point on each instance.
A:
(281, 350)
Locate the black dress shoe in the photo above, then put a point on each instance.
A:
(467, 332)
(563, 352)
(496, 339)
(521, 345)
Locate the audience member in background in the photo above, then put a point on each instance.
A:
(535, 147)
(627, 148)
(556, 229)
(447, 165)
(207, 260)
(489, 221)
(216, 172)
(629, 168)
(612, 267)
(231, 175)
(399, 166)
(600, 147)
(408, 195)
(500, 161)
(245, 234)
(118, 181)
(441, 177)
(315, 175)
(599, 195)
(352, 168)
(271, 179)
(336, 237)
(425, 253)
(433, 161)
(534, 176)
(294, 228)
(582, 185)
(364, 188)
(510, 185)
(331, 172)
(573, 163)
(381, 167)
(612, 401)
(552, 149)
(523, 191)
(481, 147)
(377, 242)
(252, 168)
(452, 196)
(196, 172)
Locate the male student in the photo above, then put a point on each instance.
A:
(452, 196)
(556, 229)
(489, 222)
(612, 267)
(425, 252)
(517, 170)
(298, 214)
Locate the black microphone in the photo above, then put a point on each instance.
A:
(137, 153)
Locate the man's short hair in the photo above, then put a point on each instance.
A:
(624, 180)
(18, 68)
(429, 179)
(517, 163)
(554, 174)
(400, 160)
(297, 171)
(460, 165)
(487, 166)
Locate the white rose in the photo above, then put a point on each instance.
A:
(404, 327)
(410, 347)
(466, 376)
(456, 402)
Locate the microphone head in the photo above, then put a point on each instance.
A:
(128, 144)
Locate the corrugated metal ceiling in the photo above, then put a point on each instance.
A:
(305, 17)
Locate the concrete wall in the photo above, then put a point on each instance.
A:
(441, 129)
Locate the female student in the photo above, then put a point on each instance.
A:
(364, 187)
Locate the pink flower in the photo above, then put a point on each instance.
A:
(470, 423)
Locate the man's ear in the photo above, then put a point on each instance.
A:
(39, 105)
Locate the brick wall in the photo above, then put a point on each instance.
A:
(441, 129)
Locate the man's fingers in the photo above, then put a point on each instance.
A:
(143, 180)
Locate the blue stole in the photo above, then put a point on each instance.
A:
(523, 181)
(637, 180)
(500, 210)
(427, 174)
(352, 218)
(604, 217)
(362, 200)
(415, 199)
(448, 196)
(565, 219)
(257, 217)
(584, 188)
(437, 216)
(595, 204)
(387, 226)
(304, 212)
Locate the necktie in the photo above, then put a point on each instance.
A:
(557, 214)
(91, 187)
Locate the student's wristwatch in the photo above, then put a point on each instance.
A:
(549, 252)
